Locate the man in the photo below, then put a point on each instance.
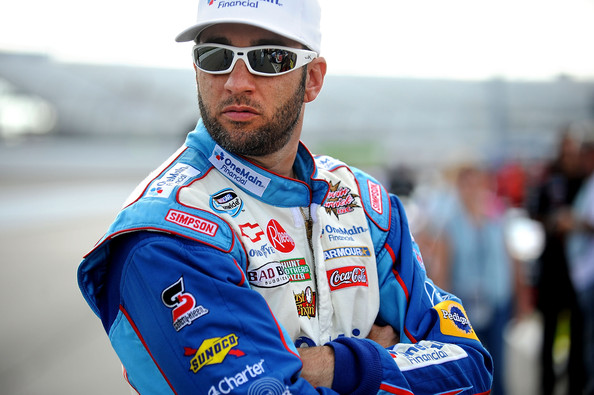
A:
(244, 265)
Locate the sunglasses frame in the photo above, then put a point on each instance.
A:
(304, 56)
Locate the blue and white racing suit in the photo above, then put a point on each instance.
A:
(216, 270)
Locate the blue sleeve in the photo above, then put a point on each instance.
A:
(182, 319)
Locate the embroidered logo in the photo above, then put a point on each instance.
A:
(270, 275)
(226, 201)
(213, 351)
(343, 252)
(348, 276)
(177, 175)
(297, 269)
(192, 222)
(306, 303)
(279, 237)
(375, 197)
(238, 172)
(453, 320)
(183, 304)
(340, 200)
(251, 231)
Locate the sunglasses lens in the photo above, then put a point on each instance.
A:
(272, 60)
(213, 58)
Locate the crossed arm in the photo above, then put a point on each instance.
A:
(318, 362)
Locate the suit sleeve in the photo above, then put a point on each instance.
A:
(183, 320)
(439, 351)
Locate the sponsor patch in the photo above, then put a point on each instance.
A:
(213, 351)
(297, 269)
(269, 275)
(183, 305)
(425, 353)
(348, 276)
(343, 252)
(306, 303)
(252, 231)
(177, 175)
(244, 4)
(192, 222)
(263, 251)
(226, 201)
(375, 197)
(279, 237)
(239, 173)
(453, 320)
(341, 233)
(340, 200)
(229, 383)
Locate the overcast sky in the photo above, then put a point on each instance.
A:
(462, 39)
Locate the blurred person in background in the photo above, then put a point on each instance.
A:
(551, 204)
(475, 262)
(580, 253)
(245, 264)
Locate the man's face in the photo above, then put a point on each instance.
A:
(248, 114)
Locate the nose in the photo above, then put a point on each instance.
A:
(240, 79)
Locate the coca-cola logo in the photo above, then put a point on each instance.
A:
(348, 276)
(279, 237)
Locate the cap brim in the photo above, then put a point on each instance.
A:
(191, 33)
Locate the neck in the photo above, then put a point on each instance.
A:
(280, 162)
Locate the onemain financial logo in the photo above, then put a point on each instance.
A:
(237, 172)
(242, 3)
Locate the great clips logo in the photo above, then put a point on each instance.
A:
(279, 237)
(183, 305)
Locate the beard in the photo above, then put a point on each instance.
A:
(261, 141)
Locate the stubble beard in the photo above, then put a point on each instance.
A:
(265, 140)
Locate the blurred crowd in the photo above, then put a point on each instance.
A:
(515, 241)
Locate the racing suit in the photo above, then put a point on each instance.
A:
(216, 270)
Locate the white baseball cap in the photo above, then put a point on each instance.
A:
(298, 20)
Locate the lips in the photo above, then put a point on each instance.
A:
(240, 113)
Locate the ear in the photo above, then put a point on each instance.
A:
(316, 71)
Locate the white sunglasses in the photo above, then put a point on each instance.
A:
(265, 60)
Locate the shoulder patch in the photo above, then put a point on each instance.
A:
(453, 320)
(375, 199)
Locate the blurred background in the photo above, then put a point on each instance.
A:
(478, 114)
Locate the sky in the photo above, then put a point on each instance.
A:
(454, 39)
